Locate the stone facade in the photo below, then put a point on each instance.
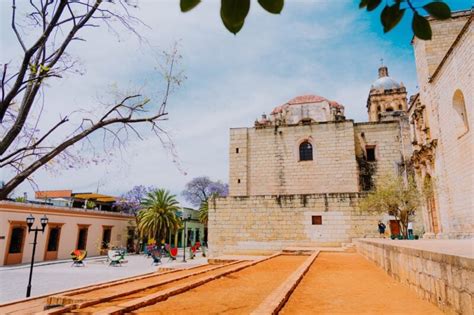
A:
(262, 224)
(387, 98)
(443, 123)
(265, 224)
(296, 177)
(444, 279)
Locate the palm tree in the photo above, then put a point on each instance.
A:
(204, 208)
(203, 211)
(158, 214)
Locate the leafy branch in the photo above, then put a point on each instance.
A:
(234, 12)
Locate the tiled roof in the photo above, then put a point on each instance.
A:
(53, 194)
(305, 99)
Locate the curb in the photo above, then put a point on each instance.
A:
(87, 303)
(163, 295)
(275, 301)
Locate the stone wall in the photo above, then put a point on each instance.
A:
(445, 67)
(443, 279)
(261, 224)
(265, 161)
(391, 144)
(268, 160)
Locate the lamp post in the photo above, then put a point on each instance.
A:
(29, 221)
(185, 239)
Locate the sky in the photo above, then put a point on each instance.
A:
(322, 47)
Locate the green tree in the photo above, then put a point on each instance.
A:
(395, 196)
(158, 215)
(204, 211)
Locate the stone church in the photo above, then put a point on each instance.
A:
(441, 118)
(297, 175)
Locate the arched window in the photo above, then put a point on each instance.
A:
(306, 151)
(389, 109)
(460, 119)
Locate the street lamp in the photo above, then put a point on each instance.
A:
(185, 239)
(29, 221)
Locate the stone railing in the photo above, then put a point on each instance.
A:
(445, 279)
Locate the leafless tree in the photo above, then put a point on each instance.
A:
(23, 148)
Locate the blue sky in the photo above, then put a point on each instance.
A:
(324, 47)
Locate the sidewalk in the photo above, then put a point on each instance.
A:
(463, 248)
(50, 277)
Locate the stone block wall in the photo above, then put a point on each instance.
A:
(454, 162)
(267, 162)
(430, 53)
(238, 165)
(261, 224)
(445, 280)
(391, 144)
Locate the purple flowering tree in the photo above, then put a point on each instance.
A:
(130, 202)
(199, 189)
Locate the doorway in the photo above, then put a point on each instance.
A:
(82, 237)
(106, 238)
(52, 245)
(394, 227)
(16, 244)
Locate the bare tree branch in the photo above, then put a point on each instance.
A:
(15, 30)
(22, 147)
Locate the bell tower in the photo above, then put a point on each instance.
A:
(387, 98)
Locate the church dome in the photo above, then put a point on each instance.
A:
(306, 99)
(384, 82)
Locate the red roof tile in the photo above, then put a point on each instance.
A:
(53, 194)
(305, 99)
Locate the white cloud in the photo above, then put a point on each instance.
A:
(321, 47)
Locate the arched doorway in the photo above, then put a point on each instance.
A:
(428, 190)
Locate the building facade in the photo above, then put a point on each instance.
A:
(296, 177)
(195, 229)
(442, 122)
(68, 229)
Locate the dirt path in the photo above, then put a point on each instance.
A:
(346, 283)
(145, 292)
(237, 293)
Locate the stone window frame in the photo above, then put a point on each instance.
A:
(371, 147)
(297, 149)
(459, 108)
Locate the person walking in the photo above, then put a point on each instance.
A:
(410, 230)
(382, 228)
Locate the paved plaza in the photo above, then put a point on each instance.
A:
(462, 248)
(53, 277)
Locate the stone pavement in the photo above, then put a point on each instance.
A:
(50, 278)
(463, 247)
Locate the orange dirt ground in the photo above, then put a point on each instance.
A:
(237, 293)
(346, 283)
(145, 292)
